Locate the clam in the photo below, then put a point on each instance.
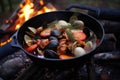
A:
(50, 54)
(88, 46)
(33, 30)
(79, 51)
(91, 39)
(61, 24)
(79, 24)
(28, 40)
(39, 29)
(72, 19)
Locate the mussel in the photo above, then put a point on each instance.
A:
(53, 38)
(55, 33)
(87, 31)
(50, 54)
(52, 45)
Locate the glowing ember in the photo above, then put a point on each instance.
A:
(28, 10)
(3, 43)
(41, 2)
(17, 27)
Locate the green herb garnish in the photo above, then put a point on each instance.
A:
(70, 35)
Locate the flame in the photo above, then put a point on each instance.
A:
(3, 43)
(27, 10)
(24, 13)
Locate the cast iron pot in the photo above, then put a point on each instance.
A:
(18, 38)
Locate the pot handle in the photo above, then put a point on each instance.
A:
(9, 48)
(100, 13)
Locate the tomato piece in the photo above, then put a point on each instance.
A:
(31, 48)
(82, 43)
(79, 36)
(65, 56)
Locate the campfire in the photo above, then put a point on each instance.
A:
(104, 65)
(26, 10)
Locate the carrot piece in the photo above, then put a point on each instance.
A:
(79, 35)
(31, 48)
(65, 56)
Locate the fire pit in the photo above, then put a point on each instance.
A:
(102, 66)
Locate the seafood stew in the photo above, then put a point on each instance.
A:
(27, 37)
(60, 39)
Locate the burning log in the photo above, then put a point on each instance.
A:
(26, 10)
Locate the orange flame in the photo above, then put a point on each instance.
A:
(26, 12)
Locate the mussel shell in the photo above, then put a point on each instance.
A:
(50, 54)
(37, 37)
(53, 38)
(87, 31)
(52, 45)
(55, 33)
